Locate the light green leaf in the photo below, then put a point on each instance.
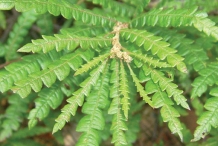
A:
(214, 92)
(149, 60)
(94, 121)
(140, 89)
(166, 17)
(207, 77)
(124, 90)
(207, 119)
(166, 84)
(156, 46)
(57, 7)
(91, 138)
(7, 5)
(170, 114)
(91, 64)
(60, 42)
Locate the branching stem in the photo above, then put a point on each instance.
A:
(116, 49)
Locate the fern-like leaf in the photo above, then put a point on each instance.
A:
(149, 60)
(124, 90)
(94, 120)
(20, 70)
(26, 132)
(50, 97)
(117, 128)
(166, 84)
(17, 35)
(91, 64)
(207, 78)
(118, 124)
(13, 116)
(206, 25)
(139, 4)
(90, 139)
(159, 97)
(194, 54)
(60, 69)
(85, 30)
(140, 88)
(133, 123)
(165, 18)
(78, 98)
(56, 7)
(168, 112)
(60, 42)
(179, 17)
(101, 52)
(116, 7)
(15, 72)
(157, 47)
(170, 115)
(208, 119)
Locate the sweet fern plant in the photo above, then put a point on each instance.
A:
(106, 55)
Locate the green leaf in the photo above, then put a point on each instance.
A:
(170, 115)
(140, 89)
(140, 4)
(61, 121)
(207, 78)
(89, 139)
(32, 123)
(207, 119)
(159, 97)
(166, 17)
(24, 133)
(149, 60)
(15, 72)
(118, 124)
(156, 46)
(124, 90)
(166, 84)
(17, 35)
(6, 5)
(206, 25)
(59, 68)
(179, 17)
(91, 64)
(78, 98)
(214, 92)
(56, 7)
(95, 121)
(60, 42)
(10, 121)
(167, 112)
(116, 7)
(49, 97)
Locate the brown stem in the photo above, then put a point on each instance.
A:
(10, 22)
(7, 63)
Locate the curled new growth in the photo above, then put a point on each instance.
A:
(116, 49)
